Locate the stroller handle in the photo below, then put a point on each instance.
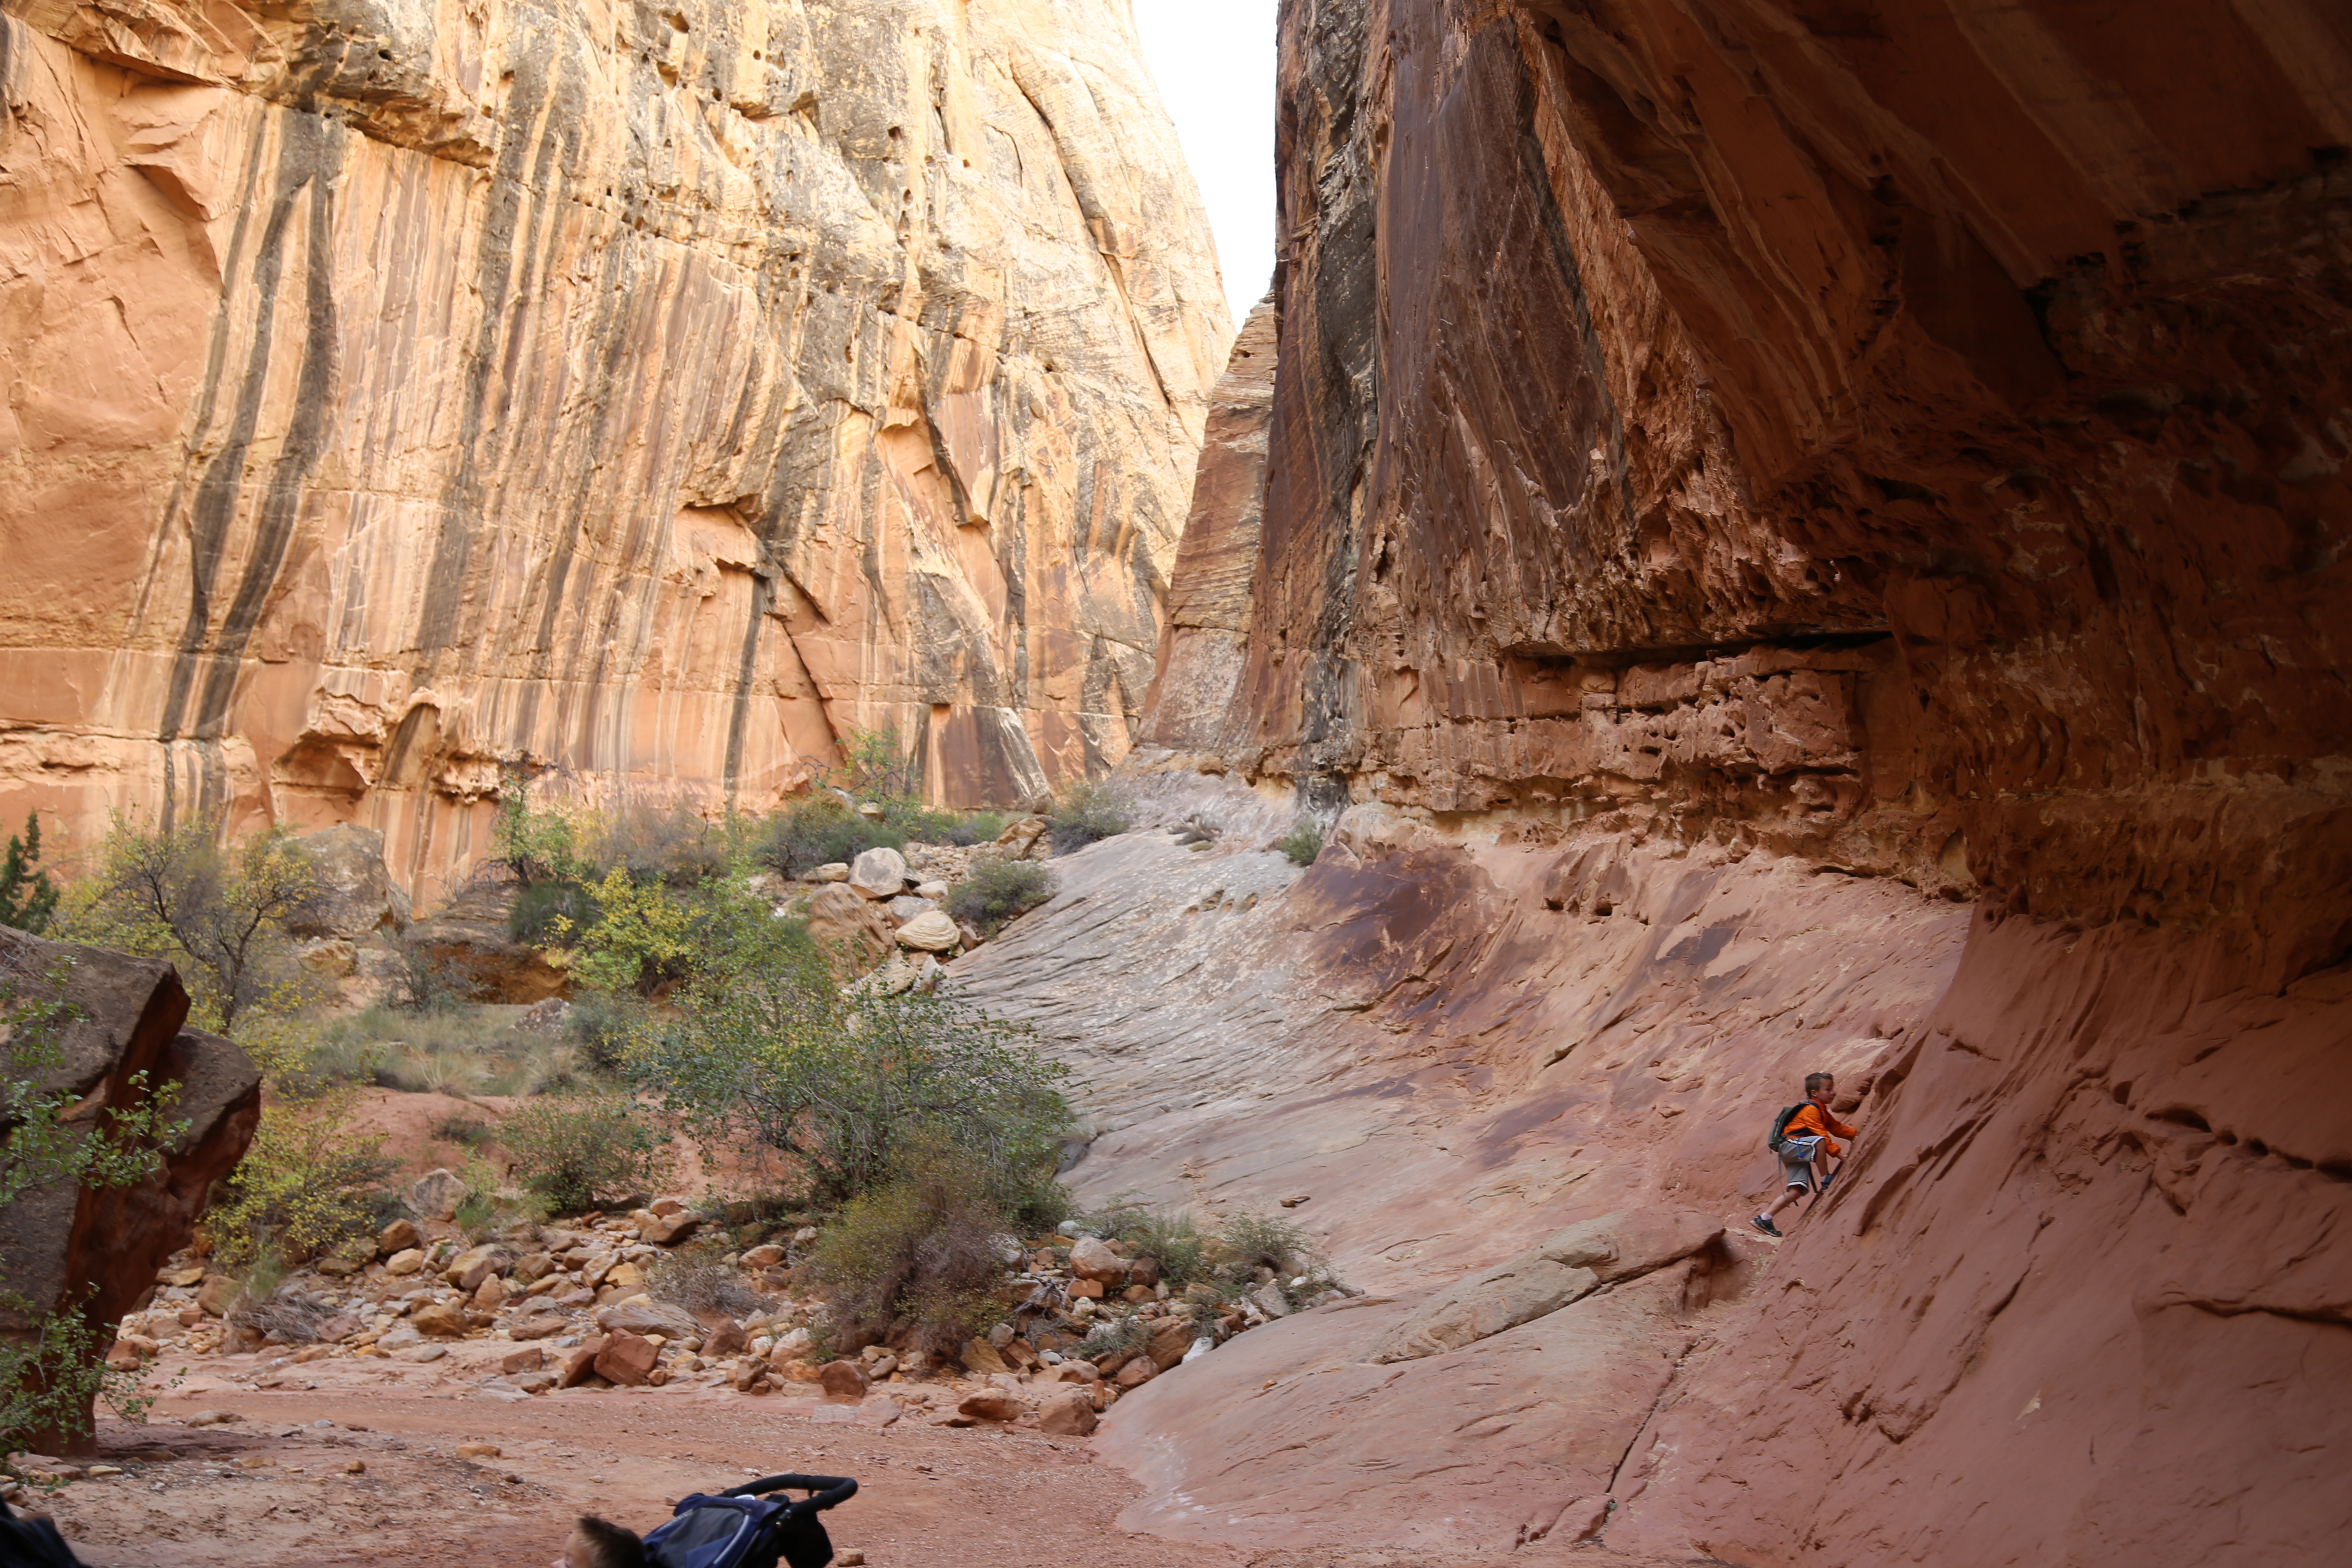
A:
(824, 1491)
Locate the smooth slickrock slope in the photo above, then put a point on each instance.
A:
(393, 394)
(1800, 535)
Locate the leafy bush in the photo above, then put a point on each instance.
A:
(922, 1245)
(601, 1022)
(533, 918)
(221, 914)
(1125, 1334)
(996, 890)
(1086, 811)
(28, 898)
(670, 844)
(700, 1280)
(646, 939)
(471, 1131)
(1302, 844)
(1249, 1242)
(1186, 1254)
(877, 765)
(819, 831)
(424, 981)
(1227, 1256)
(765, 1046)
(574, 1151)
(979, 827)
(305, 1186)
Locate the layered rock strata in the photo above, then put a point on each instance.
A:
(397, 396)
(1779, 471)
(1903, 437)
(94, 1251)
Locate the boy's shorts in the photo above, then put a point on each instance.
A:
(1798, 1174)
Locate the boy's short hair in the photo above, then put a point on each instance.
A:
(609, 1546)
(1814, 1080)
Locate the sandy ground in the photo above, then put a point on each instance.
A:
(272, 1489)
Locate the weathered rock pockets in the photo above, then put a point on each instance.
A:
(398, 396)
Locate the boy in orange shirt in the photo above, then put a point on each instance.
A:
(1809, 1129)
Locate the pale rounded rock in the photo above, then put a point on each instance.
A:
(879, 873)
(931, 932)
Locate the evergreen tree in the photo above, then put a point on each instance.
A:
(28, 898)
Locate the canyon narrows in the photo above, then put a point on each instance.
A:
(395, 394)
(1757, 536)
(1776, 536)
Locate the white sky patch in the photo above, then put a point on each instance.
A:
(1214, 62)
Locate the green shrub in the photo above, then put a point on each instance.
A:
(1249, 1242)
(700, 1280)
(221, 915)
(670, 844)
(28, 898)
(763, 1045)
(1087, 811)
(423, 980)
(997, 890)
(877, 765)
(471, 1131)
(979, 827)
(1302, 844)
(576, 1150)
(602, 1024)
(1122, 1335)
(1227, 1256)
(819, 831)
(306, 1185)
(538, 908)
(921, 1246)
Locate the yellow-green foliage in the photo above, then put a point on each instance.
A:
(305, 1185)
(647, 935)
(219, 913)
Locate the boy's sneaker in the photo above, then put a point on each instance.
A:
(1764, 1222)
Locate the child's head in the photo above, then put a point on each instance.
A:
(596, 1544)
(1820, 1086)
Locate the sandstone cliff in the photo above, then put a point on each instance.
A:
(393, 395)
(1790, 535)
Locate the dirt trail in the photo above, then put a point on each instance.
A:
(270, 1490)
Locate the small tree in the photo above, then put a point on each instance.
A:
(578, 1149)
(28, 898)
(763, 1045)
(223, 913)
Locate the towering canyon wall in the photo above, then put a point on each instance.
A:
(1742, 480)
(391, 396)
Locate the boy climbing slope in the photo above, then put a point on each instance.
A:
(1802, 1138)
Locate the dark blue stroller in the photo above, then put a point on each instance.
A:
(743, 1527)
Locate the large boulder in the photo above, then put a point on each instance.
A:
(643, 1315)
(435, 1194)
(879, 873)
(849, 931)
(358, 896)
(931, 932)
(98, 1250)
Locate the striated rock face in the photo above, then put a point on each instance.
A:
(1886, 434)
(1792, 536)
(392, 395)
(63, 1246)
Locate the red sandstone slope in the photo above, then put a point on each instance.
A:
(1904, 438)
